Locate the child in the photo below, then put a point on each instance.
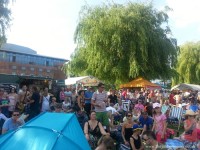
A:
(159, 126)
(66, 105)
(135, 140)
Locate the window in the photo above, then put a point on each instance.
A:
(47, 63)
(40, 69)
(14, 67)
(13, 73)
(13, 58)
(32, 69)
(48, 71)
(23, 68)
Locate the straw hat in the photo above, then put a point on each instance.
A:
(137, 127)
(190, 113)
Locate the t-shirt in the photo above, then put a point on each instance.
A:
(62, 95)
(194, 108)
(148, 122)
(99, 98)
(11, 125)
(113, 99)
(12, 102)
(139, 106)
(68, 93)
(113, 110)
(88, 94)
(45, 103)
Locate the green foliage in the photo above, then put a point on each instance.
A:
(4, 19)
(188, 66)
(116, 43)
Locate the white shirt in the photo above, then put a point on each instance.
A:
(113, 110)
(45, 103)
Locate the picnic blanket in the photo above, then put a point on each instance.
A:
(173, 144)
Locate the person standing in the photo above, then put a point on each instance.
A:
(13, 98)
(34, 103)
(159, 125)
(112, 98)
(62, 95)
(45, 100)
(81, 99)
(99, 100)
(23, 95)
(88, 97)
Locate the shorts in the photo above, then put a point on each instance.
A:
(103, 118)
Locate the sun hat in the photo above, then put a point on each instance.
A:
(137, 127)
(190, 113)
(156, 105)
(184, 104)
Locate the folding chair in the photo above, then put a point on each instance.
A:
(126, 105)
(175, 116)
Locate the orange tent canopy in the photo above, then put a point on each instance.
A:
(139, 82)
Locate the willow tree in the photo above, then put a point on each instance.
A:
(4, 19)
(188, 66)
(117, 43)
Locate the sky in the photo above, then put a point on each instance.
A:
(48, 26)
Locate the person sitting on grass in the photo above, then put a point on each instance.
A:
(135, 140)
(93, 130)
(150, 140)
(189, 137)
(106, 143)
(145, 121)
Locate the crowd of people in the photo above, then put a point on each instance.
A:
(106, 122)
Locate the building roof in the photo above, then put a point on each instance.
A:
(23, 50)
(17, 48)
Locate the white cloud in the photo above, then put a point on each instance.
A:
(46, 26)
(185, 12)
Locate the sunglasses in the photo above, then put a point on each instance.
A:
(15, 114)
(145, 139)
(102, 87)
(129, 115)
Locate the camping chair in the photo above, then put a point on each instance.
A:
(126, 105)
(175, 116)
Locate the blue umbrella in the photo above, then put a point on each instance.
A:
(48, 131)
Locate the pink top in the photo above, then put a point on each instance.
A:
(159, 123)
(139, 106)
(62, 95)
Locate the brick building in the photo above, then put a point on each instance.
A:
(23, 65)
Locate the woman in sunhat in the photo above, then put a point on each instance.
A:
(189, 137)
(135, 140)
